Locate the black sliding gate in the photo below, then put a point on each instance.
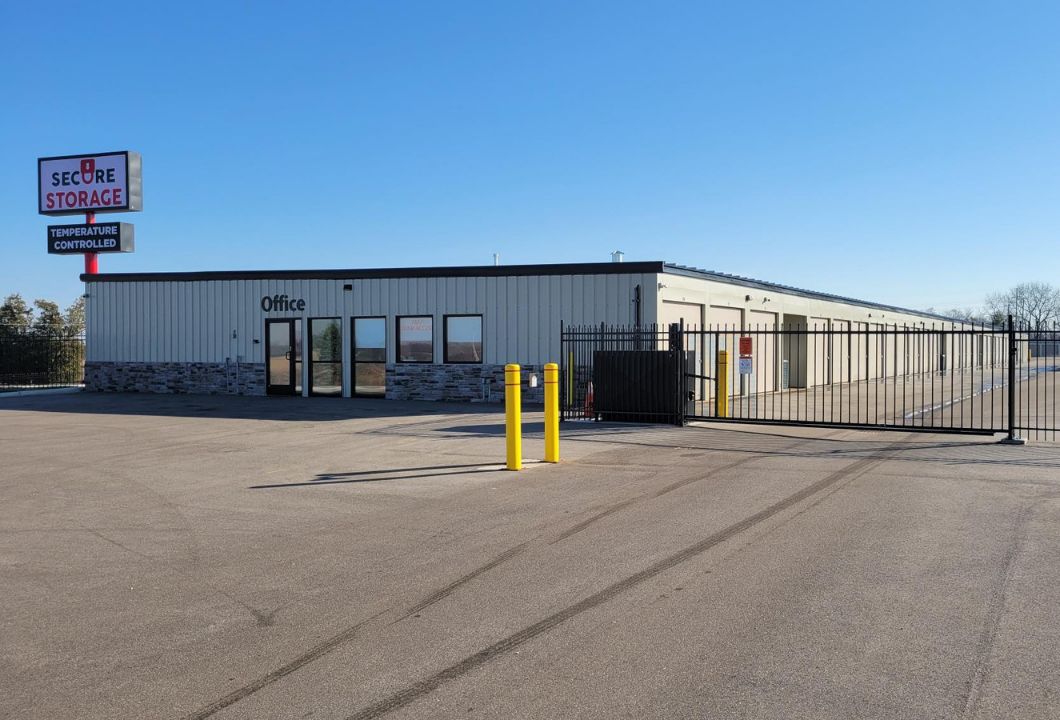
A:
(836, 373)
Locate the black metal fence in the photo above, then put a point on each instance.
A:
(953, 378)
(631, 374)
(854, 374)
(1035, 395)
(32, 358)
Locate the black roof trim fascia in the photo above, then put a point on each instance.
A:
(610, 268)
(688, 271)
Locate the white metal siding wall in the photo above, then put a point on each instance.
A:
(853, 358)
(193, 320)
(722, 299)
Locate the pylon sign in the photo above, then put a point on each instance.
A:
(93, 183)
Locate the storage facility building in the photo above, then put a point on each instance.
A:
(442, 333)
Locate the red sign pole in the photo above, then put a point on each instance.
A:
(91, 258)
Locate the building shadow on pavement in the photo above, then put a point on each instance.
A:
(239, 407)
(700, 439)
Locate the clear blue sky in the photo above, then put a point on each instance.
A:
(907, 152)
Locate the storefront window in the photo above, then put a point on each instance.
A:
(415, 339)
(463, 338)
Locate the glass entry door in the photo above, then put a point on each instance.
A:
(283, 357)
(369, 356)
(325, 360)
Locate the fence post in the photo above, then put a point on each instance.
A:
(513, 429)
(677, 347)
(564, 398)
(1013, 359)
(721, 392)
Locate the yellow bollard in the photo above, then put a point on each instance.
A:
(551, 413)
(721, 393)
(513, 416)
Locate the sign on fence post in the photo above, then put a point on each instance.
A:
(746, 349)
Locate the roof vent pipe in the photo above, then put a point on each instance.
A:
(496, 259)
(617, 256)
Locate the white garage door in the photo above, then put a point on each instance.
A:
(691, 314)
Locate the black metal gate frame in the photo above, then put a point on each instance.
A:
(888, 378)
(968, 380)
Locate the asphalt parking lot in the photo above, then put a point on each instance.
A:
(207, 557)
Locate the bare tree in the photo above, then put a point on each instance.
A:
(965, 315)
(1035, 304)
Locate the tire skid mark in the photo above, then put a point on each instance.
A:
(267, 679)
(451, 587)
(424, 687)
(995, 611)
(577, 528)
(820, 499)
(349, 634)
(574, 529)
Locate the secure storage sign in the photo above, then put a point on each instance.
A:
(103, 182)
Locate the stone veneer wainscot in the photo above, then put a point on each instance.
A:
(195, 378)
(482, 383)
(458, 383)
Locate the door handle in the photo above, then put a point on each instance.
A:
(287, 355)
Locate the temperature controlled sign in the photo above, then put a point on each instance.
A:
(95, 237)
(104, 182)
